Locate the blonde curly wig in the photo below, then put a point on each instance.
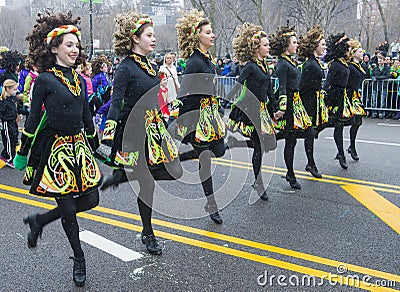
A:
(309, 42)
(354, 46)
(247, 41)
(188, 28)
(124, 22)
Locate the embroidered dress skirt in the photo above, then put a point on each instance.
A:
(200, 122)
(314, 103)
(149, 139)
(296, 117)
(358, 106)
(66, 168)
(339, 106)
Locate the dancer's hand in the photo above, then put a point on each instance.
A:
(278, 115)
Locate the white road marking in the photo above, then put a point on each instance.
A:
(109, 246)
(388, 125)
(369, 142)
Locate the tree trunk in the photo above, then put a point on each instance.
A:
(383, 17)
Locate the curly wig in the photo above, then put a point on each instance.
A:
(98, 62)
(10, 60)
(39, 51)
(124, 23)
(280, 41)
(337, 47)
(188, 28)
(3, 49)
(310, 42)
(354, 46)
(247, 41)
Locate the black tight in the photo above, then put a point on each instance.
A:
(256, 160)
(288, 153)
(357, 122)
(204, 155)
(338, 136)
(145, 197)
(309, 145)
(66, 210)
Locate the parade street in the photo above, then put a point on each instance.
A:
(338, 233)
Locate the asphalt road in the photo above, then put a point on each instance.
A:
(339, 233)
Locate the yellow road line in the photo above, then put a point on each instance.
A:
(236, 240)
(385, 210)
(218, 248)
(307, 175)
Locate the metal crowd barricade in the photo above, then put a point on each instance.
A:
(381, 96)
(224, 84)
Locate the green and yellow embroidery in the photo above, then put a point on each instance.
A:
(210, 126)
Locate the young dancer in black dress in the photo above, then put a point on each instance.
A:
(356, 77)
(292, 114)
(250, 116)
(201, 124)
(312, 46)
(67, 170)
(134, 106)
(339, 105)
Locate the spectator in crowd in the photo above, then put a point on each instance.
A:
(114, 66)
(181, 66)
(379, 87)
(219, 66)
(366, 92)
(392, 98)
(388, 61)
(173, 55)
(384, 48)
(237, 66)
(159, 61)
(169, 71)
(394, 48)
(374, 59)
(228, 72)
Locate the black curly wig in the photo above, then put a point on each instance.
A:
(10, 60)
(39, 51)
(338, 45)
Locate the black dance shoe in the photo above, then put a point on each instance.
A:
(293, 182)
(114, 180)
(151, 244)
(79, 271)
(213, 211)
(261, 191)
(36, 230)
(353, 153)
(313, 170)
(342, 161)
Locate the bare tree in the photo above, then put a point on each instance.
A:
(382, 14)
(310, 12)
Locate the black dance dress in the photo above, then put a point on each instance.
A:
(254, 105)
(295, 117)
(200, 122)
(67, 167)
(356, 77)
(135, 107)
(310, 91)
(339, 105)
